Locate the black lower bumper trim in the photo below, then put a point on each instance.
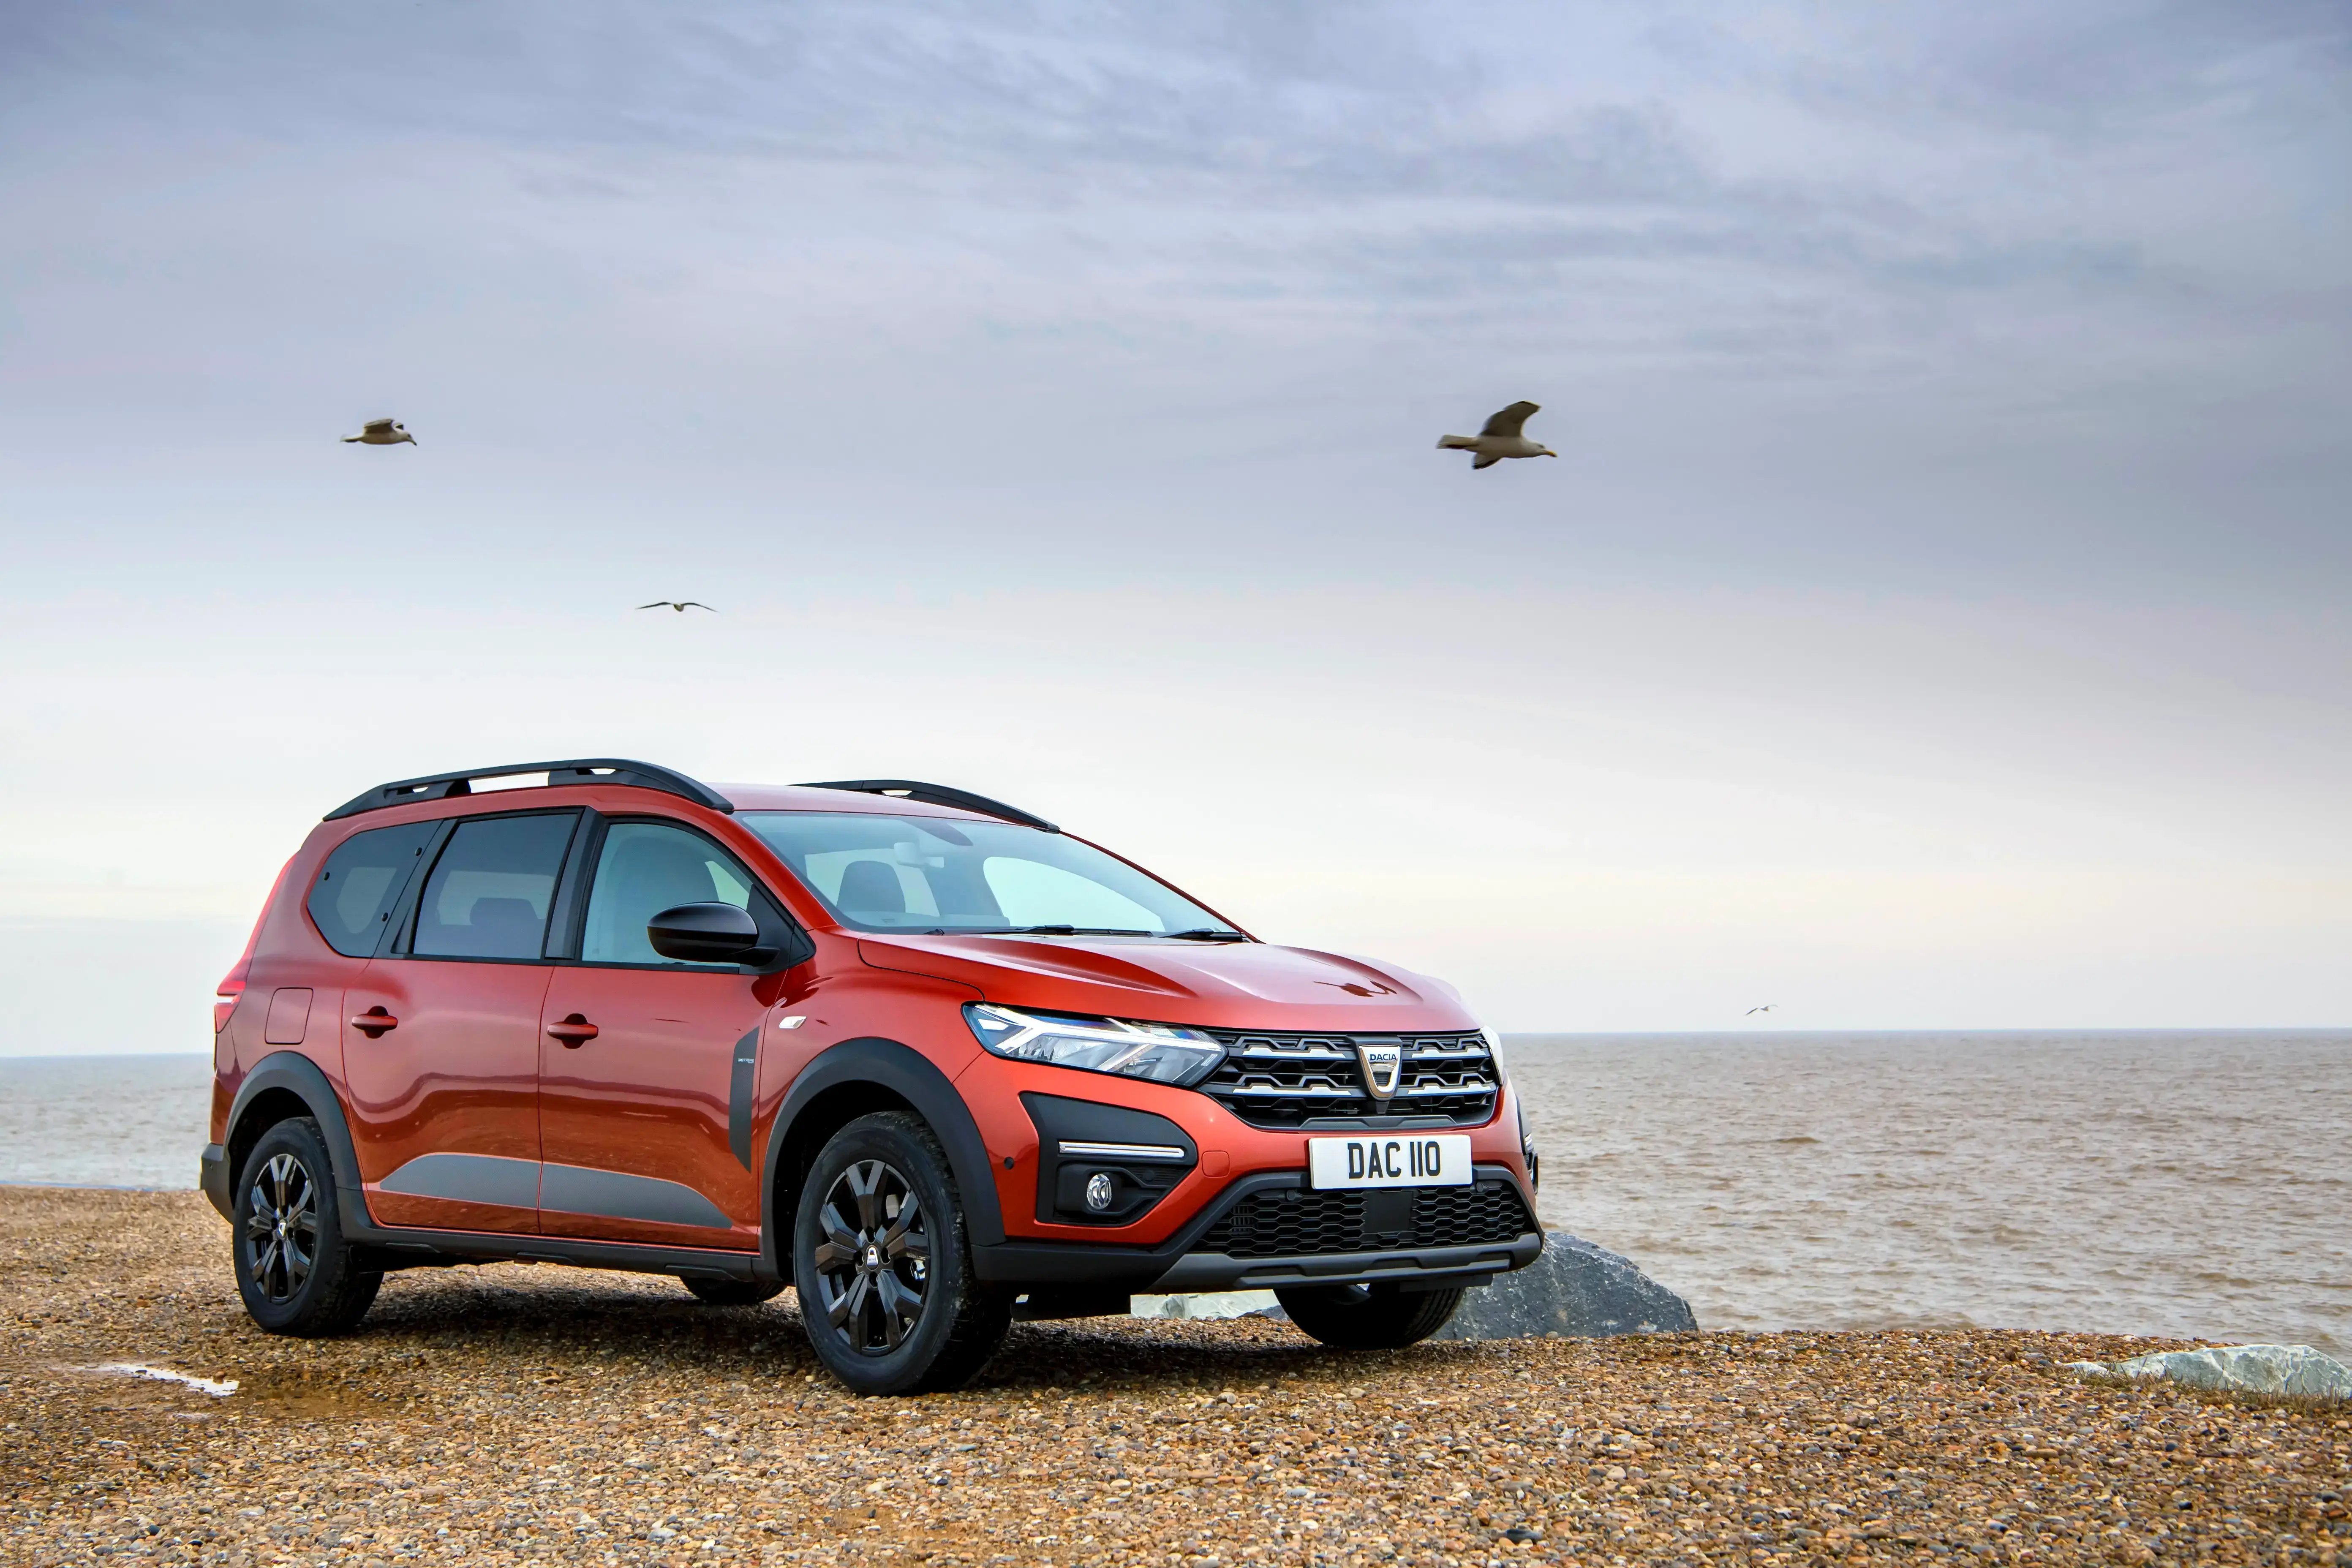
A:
(1421, 1267)
(212, 1176)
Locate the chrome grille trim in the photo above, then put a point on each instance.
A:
(1284, 1080)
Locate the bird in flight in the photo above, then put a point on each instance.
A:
(383, 433)
(681, 605)
(1501, 438)
(1766, 1008)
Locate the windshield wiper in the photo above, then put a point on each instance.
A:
(1068, 931)
(1201, 933)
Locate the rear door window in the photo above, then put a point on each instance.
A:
(489, 892)
(361, 880)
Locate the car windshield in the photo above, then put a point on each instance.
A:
(931, 874)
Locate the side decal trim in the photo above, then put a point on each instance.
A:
(468, 1179)
(614, 1194)
(739, 1097)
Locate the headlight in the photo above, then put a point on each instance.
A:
(1494, 1038)
(1164, 1053)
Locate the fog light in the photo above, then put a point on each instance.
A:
(1099, 1191)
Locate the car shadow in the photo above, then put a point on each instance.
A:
(549, 1311)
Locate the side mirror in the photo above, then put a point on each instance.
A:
(705, 933)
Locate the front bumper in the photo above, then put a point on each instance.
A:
(1185, 1262)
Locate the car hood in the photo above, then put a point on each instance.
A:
(1241, 986)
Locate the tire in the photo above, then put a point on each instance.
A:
(731, 1292)
(1368, 1317)
(297, 1274)
(883, 1264)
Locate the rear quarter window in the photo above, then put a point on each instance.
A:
(361, 882)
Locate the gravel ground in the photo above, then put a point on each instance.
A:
(537, 1412)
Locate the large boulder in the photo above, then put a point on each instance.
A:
(2243, 1369)
(1574, 1290)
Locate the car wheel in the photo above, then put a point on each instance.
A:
(731, 1292)
(1368, 1317)
(883, 1266)
(294, 1269)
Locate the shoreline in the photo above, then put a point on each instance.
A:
(519, 1413)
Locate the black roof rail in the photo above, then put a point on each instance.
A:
(939, 794)
(575, 771)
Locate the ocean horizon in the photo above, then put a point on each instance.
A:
(2176, 1182)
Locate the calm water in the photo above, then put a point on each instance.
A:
(2198, 1184)
(2188, 1183)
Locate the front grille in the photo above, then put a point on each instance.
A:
(1297, 1224)
(1308, 1080)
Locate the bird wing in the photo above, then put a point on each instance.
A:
(694, 604)
(379, 427)
(1485, 460)
(1510, 421)
(657, 604)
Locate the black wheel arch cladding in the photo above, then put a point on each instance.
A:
(905, 1074)
(290, 1072)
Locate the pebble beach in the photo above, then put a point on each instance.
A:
(520, 1414)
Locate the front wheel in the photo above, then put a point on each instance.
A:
(294, 1269)
(1368, 1317)
(883, 1266)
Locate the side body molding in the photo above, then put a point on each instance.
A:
(912, 1077)
(297, 1074)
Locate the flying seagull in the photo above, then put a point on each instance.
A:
(383, 433)
(1766, 1008)
(1500, 439)
(681, 605)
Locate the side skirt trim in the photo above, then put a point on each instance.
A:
(468, 1179)
(616, 1195)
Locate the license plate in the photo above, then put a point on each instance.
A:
(1389, 1159)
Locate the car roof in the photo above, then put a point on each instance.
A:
(898, 797)
(804, 797)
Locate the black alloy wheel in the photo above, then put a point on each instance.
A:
(875, 1263)
(883, 1265)
(281, 1228)
(294, 1270)
(1367, 1317)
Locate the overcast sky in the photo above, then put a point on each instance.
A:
(1937, 616)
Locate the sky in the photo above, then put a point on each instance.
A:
(1935, 618)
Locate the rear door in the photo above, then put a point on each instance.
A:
(441, 1044)
(648, 1065)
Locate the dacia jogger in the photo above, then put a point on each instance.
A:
(920, 1055)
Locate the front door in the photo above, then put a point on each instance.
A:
(648, 1065)
(441, 1035)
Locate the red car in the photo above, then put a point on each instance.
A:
(921, 1056)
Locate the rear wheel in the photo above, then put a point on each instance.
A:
(731, 1292)
(883, 1266)
(295, 1271)
(1368, 1317)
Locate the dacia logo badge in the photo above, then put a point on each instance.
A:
(1384, 1062)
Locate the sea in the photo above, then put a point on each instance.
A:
(2191, 1184)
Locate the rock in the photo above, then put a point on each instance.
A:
(1209, 1304)
(1574, 1290)
(2243, 1369)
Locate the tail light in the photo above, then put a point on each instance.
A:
(226, 1003)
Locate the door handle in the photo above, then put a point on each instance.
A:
(374, 1022)
(574, 1032)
